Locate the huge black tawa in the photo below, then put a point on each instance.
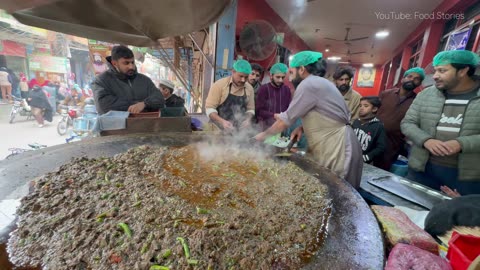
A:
(354, 239)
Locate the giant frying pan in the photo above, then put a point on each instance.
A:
(354, 240)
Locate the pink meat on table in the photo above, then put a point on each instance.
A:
(398, 228)
(407, 257)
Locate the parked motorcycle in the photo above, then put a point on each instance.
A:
(20, 106)
(69, 113)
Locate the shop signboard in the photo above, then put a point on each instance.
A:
(98, 52)
(42, 47)
(11, 48)
(48, 63)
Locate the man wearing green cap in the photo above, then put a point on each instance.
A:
(273, 97)
(230, 103)
(395, 103)
(443, 124)
(325, 118)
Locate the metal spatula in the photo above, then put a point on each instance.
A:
(286, 152)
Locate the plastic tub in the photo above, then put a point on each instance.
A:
(463, 250)
(399, 168)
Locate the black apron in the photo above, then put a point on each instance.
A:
(234, 108)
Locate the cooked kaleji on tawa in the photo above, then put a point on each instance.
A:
(172, 208)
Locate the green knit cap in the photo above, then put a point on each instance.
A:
(242, 66)
(455, 57)
(418, 70)
(279, 68)
(305, 58)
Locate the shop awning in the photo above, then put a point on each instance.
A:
(12, 48)
(137, 22)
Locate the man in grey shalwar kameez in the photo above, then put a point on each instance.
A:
(325, 117)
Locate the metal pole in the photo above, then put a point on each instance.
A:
(165, 58)
(200, 49)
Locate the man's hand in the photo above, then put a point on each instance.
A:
(227, 126)
(246, 124)
(438, 148)
(260, 137)
(136, 108)
(276, 116)
(454, 146)
(452, 193)
(298, 132)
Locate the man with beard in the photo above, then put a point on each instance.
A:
(254, 78)
(98, 64)
(230, 103)
(273, 97)
(325, 118)
(121, 88)
(395, 105)
(343, 76)
(443, 124)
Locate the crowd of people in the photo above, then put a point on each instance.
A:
(441, 129)
(42, 95)
(341, 128)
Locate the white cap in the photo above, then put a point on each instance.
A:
(167, 84)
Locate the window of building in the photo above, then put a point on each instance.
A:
(473, 36)
(416, 49)
(450, 26)
(471, 12)
(454, 25)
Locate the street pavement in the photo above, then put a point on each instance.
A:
(23, 132)
(19, 135)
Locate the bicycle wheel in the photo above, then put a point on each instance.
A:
(15, 151)
(11, 155)
(62, 128)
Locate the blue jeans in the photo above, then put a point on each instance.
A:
(436, 176)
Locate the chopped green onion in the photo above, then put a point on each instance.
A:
(185, 247)
(125, 229)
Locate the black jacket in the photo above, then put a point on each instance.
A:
(174, 101)
(371, 136)
(115, 91)
(460, 211)
(38, 99)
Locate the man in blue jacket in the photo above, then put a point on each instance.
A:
(121, 88)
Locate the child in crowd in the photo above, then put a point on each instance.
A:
(369, 130)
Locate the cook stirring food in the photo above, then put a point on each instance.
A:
(230, 103)
(325, 118)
